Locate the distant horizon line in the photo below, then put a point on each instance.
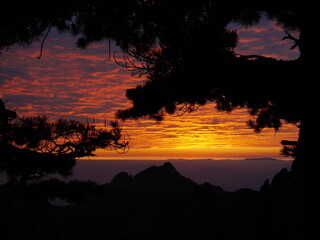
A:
(190, 159)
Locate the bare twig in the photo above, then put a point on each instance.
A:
(295, 40)
(43, 40)
(184, 109)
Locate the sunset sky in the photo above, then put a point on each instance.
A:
(86, 85)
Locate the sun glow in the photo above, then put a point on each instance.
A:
(84, 85)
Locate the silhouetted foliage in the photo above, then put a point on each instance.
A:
(185, 50)
(187, 54)
(72, 191)
(33, 147)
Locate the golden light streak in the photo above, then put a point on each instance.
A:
(84, 85)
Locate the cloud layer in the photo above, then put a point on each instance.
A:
(84, 84)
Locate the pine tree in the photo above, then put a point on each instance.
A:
(34, 148)
(187, 54)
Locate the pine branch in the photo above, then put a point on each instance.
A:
(295, 40)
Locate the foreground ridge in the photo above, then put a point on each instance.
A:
(160, 203)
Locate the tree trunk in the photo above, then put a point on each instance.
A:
(306, 166)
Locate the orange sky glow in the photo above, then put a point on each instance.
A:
(85, 85)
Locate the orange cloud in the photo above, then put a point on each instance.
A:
(83, 84)
(249, 40)
(264, 39)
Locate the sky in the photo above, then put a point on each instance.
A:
(87, 85)
(229, 175)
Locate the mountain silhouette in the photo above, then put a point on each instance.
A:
(122, 179)
(160, 179)
(160, 203)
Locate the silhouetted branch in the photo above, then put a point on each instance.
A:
(33, 147)
(43, 40)
(122, 147)
(295, 40)
(143, 63)
(129, 63)
(286, 142)
(184, 108)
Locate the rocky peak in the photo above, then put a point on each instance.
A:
(122, 179)
(164, 178)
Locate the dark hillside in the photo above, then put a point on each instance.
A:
(159, 203)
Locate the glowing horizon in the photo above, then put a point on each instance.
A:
(85, 85)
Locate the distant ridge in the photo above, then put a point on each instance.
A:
(224, 159)
(261, 159)
(230, 174)
(163, 178)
